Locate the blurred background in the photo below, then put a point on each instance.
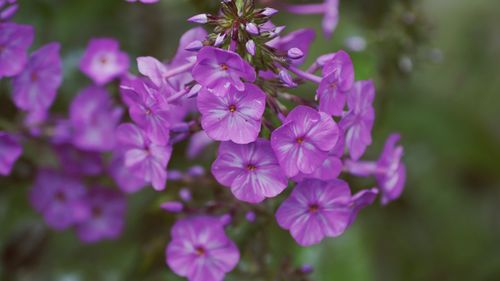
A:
(436, 64)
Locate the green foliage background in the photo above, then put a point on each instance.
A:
(446, 226)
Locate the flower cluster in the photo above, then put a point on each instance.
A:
(228, 86)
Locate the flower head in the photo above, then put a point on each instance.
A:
(106, 215)
(218, 70)
(93, 116)
(34, 89)
(316, 209)
(302, 143)
(358, 122)
(58, 198)
(10, 151)
(15, 39)
(338, 78)
(149, 109)
(143, 157)
(200, 250)
(250, 170)
(103, 61)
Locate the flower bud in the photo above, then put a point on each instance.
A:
(220, 39)
(250, 46)
(287, 79)
(172, 206)
(200, 18)
(185, 194)
(252, 28)
(268, 12)
(194, 46)
(295, 53)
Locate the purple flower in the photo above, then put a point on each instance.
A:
(34, 89)
(94, 118)
(10, 151)
(250, 170)
(103, 61)
(7, 11)
(360, 200)
(338, 78)
(218, 69)
(302, 143)
(145, 159)
(148, 109)
(235, 116)
(389, 170)
(331, 167)
(15, 39)
(329, 9)
(300, 39)
(76, 162)
(106, 215)
(316, 209)
(358, 122)
(197, 143)
(200, 250)
(123, 176)
(58, 198)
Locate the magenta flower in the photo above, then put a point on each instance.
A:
(329, 9)
(103, 61)
(106, 216)
(34, 89)
(143, 157)
(123, 176)
(58, 198)
(300, 39)
(235, 116)
(316, 209)
(94, 117)
(218, 69)
(331, 167)
(250, 170)
(148, 109)
(10, 151)
(8, 9)
(358, 122)
(200, 250)
(77, 162)
(15, 39)
(302, 143)
(360, 200)
(389, 170)
(338, 78)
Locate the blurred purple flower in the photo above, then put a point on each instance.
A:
(10, 151)
(106, 217)
(123, 176)
(218, 69)
(329, 9)
(250, 170)
(235, 116)
(360, 200)
(35, 88)
(316, 209)
(7, 9)
(197, 143)
(15, 39)
(200, 250)
(338, 78)
(59, 198)
(145, 158)
(302, 143)
(94, 118)
(300, 39)
(389, 170)
(103, 61)
(77, 162)
(148, 109)
(358, 122)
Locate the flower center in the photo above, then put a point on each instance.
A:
(232, 108)
(148, 111)
(34, 76)
(299, 140)
(2, 48)
(333, 85)
(313, 208)
(251, 167)
(60, 196)
(96, 212)
(200, 250)
(224, 66)
(103, 60)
